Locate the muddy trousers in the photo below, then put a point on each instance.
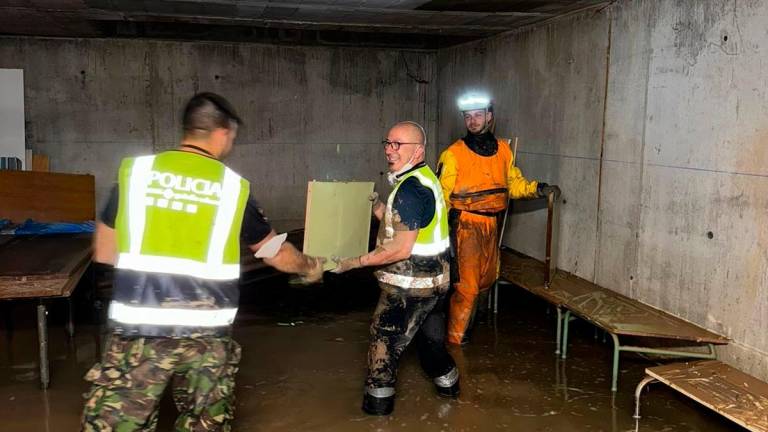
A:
(399, 318)
(129, 383)
(477, 258)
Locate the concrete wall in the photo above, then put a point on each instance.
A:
(310, 113)
(651, 115)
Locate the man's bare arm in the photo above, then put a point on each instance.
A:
(289, 259)
(378, 210)
(397, 250)
(104, 244)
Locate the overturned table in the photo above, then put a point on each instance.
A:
(43, 267)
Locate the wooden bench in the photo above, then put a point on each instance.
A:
(617, 314)
(728, 391)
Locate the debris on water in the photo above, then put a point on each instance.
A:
(27, 376)
(290, 323)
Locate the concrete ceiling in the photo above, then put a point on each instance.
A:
(405, 23)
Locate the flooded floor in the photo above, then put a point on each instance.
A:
(303, 368)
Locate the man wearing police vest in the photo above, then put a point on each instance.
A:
(478, 177)
(412, 256)
(172, 229)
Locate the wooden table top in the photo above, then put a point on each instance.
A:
(608, 309)
(738, 396)
(42, 266)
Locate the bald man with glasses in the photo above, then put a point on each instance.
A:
(412, 259)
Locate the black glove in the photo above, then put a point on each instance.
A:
(543, 190)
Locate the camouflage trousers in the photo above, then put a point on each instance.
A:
(129, 383)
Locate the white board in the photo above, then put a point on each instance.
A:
(338, 220)
(12, 114)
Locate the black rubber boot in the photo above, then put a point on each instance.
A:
(378, 406)
(471, 325)
(466, 339)
(449, 392)
(483, 311)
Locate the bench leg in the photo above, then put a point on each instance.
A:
(712, 352)
(493, 298)
(647, 380)
(564, 344)
(559, 331)
(616, 352)
(70, 318)
(42, 334)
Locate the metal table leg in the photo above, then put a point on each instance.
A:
(42, 334)
(70, 319)
(647, 380)
(7, 310)
(566, 324)
(559, 331)
(617, 349)
(615, 373)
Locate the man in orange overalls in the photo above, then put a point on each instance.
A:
(478, 177)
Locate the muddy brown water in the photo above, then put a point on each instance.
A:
(303, 367)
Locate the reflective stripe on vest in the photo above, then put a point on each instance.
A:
(138, 315)
(179, 266)
(381, 392)
(411, 281)
(141, 197)
(449, 379)
(433, 239)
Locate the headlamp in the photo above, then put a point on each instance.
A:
(473, 101)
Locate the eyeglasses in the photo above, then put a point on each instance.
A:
(395, 145)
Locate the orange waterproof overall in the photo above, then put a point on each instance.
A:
(479, 187)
